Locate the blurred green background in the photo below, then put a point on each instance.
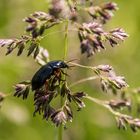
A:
(93, 122)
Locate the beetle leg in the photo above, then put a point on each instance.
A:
(57, 72)
(64, 73)
(54, 81)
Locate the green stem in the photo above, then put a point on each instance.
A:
(58, 32)
(83, 80)
(105, 104)
(60, 130)
(82, 66)
(87, 67)
(66, 39)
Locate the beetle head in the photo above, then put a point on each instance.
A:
(62, 64)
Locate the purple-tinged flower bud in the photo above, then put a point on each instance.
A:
(59, 117)
(112, 42)
(22, 89)
(119, 34)
(121, 123)
(48, 111)
(118, 81)
(21, 47)
(86, 48)
(110, 6)
(118, 104)
(104, 68)
(6, 42)
(32, 48)
(106, 15)
(9, 49)
(94, 27)
(77, 98)
(56, 8)
(128, 120)
(104, 85)
(103, 13)
(30, 20)
(30, 28)
(43, 56)
(41, 15)
(79, 95)
(69, 113)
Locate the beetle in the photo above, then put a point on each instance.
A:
(45, 72)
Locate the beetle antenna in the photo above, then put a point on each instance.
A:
(71, 60)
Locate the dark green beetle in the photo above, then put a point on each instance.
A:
(45, 72)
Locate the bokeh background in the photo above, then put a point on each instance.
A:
(93, 122)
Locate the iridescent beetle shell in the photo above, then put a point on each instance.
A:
(45, 72)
